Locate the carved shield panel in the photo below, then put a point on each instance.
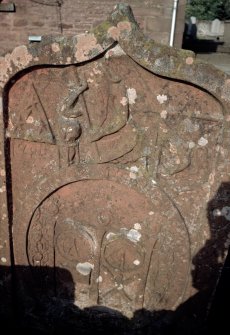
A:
(100, 155)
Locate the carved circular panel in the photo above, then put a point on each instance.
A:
(119, 246)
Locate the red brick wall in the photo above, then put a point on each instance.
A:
(77, 16)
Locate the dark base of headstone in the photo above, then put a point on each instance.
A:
(104, 321)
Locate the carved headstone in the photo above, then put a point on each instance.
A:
(217, 28)
(114, 168)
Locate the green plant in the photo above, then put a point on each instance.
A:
(209, 9)
(227, 9)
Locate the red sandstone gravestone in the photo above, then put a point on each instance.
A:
(112, 149)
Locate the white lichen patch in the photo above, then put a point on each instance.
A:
(117, 51)
(131, 95)
(189, 60)
(2, 172)
(136, 262)
(134, 169)
(133, 172)
(211, 178)
(97, 71)
(133, 175)
(99, 279)
(3, 260)
(120, 287)
(2, 189)
(164, 114)
(110, 236)
(10, 125)
(202, 142)
(162, 98)
(30, 119)
(217, 212)
(173, 148)
(124, 101)
(226, 212)
(177, 160)
(69, 221)
(7, 134)
(137, 226)
(90, 80)
(134, 235)
(84, 268)
(191, 145)
(55, 47)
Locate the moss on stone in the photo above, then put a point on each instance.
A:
(100, 31)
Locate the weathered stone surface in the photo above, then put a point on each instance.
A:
(115, 169)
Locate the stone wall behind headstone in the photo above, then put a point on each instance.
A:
(40, 17)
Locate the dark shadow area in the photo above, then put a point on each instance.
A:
(197, 45)
(41, 299)
(218, 318)
(219, 313)
(39, 307)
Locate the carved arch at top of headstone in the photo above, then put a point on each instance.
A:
(120, 28)
(149, 152)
